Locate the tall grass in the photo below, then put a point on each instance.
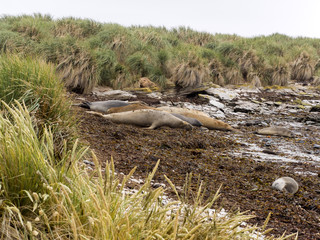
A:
(35, 83)
(76, 46)
(42, 200)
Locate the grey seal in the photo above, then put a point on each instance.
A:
(286, 184)
(103, 106)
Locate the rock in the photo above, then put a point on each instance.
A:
(317, 146)
(218, 115)
(292, 111)
(115, 94)
(245, 107)
(312, 117)
(156, 95)
(315, 108)
(88, 162)
(268, 151)
(253, 123)
(213, 101)
(222, 93)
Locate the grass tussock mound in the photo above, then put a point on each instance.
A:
(87, 53)
(35, 83)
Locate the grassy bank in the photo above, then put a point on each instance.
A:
(87, 53)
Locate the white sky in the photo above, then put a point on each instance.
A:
(242, 17)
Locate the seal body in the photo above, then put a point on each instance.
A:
(192, 121)
(183, 111)
(147, 118)
(103, 106)
(130, 107)
(277, 131)
(203, 118)
(286, 184)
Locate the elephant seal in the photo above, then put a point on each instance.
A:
(286, 184)
(139, 106)
(192, 121)
(277, 131)
(103, 106)
(130, 107)
(146, 118)
(182, 111)
(203, 118)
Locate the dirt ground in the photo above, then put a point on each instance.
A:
(246, 183)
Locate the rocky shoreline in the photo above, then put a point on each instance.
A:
(245, 163)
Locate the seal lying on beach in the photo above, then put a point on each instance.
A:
(277, 131)
(192, 121)
(146, 118)
(103, 106)
(182, 111)
(208, 122)
(139, 106)
(130, 107)
(286, 184)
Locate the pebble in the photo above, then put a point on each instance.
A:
(88, 162)
(317, 146)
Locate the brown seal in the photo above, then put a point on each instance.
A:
(131, 107)
(146, 118)
(182, 111)
(203, 118)
(103, 106)
(277, 131)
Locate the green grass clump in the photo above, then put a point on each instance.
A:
(43, 200)
(35, 83)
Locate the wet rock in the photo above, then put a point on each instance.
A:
(223, 94)
(246, 107)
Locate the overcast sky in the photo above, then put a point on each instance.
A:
(242, 17)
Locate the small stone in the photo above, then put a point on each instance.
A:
(315, 109)
(317, 146)
(270, 152)
(88, 162)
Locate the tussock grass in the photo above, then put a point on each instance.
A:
(35, 83)
(302, 69)
(42, 200)
(76, 46)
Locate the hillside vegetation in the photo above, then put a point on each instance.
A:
(87, 53)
